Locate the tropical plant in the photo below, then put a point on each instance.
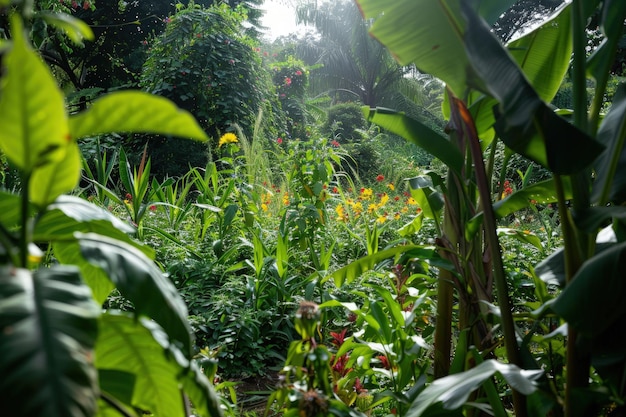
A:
(497, 91)
(205, 63)
(61, 354)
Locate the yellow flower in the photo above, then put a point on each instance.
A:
(381, 219)
(411, 201)
(357, 208)
(391, 186)
(264, 207)
(383, 199)
(366, 193)
(227, 138)
(341, 213)
(286, 199)
(371, 208)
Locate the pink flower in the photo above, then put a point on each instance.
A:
(283, 95)
(152, 208)
(199, 35)
(335, 143)
(287, 81)
(298, 73)
(231, 61)
(279, 141)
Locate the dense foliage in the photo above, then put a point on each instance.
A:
(329, 257)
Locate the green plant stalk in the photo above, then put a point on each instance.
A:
(578, 363)
(25, 229)
(508, 326)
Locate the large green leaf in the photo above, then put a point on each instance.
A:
(610, 167)
(428, 33)
(544, 54)
(10, 207)
(418, 133)
(53, 179)
(134, 111)
(32, 111)
(524, 122)
(48, 329)
(427, 197)
(142, 349)
(141, 282)
(454, 390)
(594, 299)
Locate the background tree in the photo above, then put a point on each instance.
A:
(206, 64)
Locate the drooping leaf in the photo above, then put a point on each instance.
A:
(48, 329)
(352, 271)
(610, 167)
(523, 121)
(454, 390)
(141, 282)
(53, 179)
(593, 300)
(544, 54)
(32, 111)
(134, 111)
(124, 344)
(142, 349)
(542, 192)
(417, 133)
(523, 236)
(429, 199)
(611, 21)
(74, 28)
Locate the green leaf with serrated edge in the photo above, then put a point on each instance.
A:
(524, 122)
(48, 329)
(32, 111)
(418, 133)
(74, 28)
(454, 390)
(594, 299)
(542, 192)
(124, 344)
(135, 111)
(53, 179)
(141, 282)
(350, 272)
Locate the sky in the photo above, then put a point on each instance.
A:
(280, 18)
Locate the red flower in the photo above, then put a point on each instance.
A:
(279, 141)
(152, 208)
(129, 196)
(385, 362)
(335, 190)
(335, 143)
(380, 178)
(86, 5)
(298, 73)
(287, 81)
(338, 338)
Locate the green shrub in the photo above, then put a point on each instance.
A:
(344, 121)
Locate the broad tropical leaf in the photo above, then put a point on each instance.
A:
(134, 111)
(523, 121)
(32, 110)
(454, 390)
(141, 282)
(53, 179)
(429, 199)
(159, 370)
(610, 184)
(418, 133)
(585, 303)
(48, 327)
